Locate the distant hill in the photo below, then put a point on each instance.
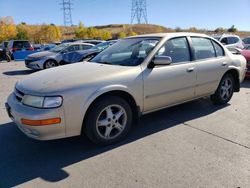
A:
(115, 29)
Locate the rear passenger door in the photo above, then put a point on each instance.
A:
(210, 63)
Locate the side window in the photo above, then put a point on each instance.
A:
(232, 40)
(73, 48)
(177, 49)
(203, 48)
(224, 41)
(85, 47)
(218, 49)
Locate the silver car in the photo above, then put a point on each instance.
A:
(53, 57)
(135, 76)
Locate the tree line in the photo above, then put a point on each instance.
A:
(51, 33)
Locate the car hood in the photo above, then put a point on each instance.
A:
(62, 78)
(41, 54)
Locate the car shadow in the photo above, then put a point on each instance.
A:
(246, 83)
(18, 72)
(23, 159)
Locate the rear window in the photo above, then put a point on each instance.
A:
(21, 44)
(218, 49)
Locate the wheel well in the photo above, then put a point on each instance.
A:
(135, 109)
(49, 60)
(235, 75)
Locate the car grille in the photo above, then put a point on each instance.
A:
(28, 61)
(19, 95)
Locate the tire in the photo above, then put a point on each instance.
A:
(50, 64)
(8, 58)
(225, 90)
(108, 120)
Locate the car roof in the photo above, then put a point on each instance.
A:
(84, 43)
(177, 34)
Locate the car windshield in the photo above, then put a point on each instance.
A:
(127, 52)
(59, 48)
(102, 46)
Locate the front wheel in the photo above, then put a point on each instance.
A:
(108, 120)
(225, 90)
(50, 64)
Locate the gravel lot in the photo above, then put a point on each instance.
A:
(195, 144)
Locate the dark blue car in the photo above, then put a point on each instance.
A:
(82, 55)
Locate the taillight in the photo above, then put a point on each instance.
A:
(31, 48)
(13, 49)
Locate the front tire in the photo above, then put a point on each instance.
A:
(225, 90)
(108, 121)
(50, 64)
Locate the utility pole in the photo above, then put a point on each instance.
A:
(139, 12)
(67, 17)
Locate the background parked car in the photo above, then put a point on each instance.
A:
(19, 45)
(230, 41)
(47, 47)
(246, 53)
(82, 55)
(4, 45)
(53, 57)
(246, 41)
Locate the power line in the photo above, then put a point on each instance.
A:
(139, 12)
(67, 9)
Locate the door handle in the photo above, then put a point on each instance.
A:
(224, 64)
(190, 69)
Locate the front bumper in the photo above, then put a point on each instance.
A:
(17, 111)
(35, 65)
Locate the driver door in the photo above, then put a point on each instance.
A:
(170, 84)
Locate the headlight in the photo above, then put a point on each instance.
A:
(42, 102)
(52, 102)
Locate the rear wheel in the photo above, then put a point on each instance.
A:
(50, 64)
(225, 90)
(108, 120)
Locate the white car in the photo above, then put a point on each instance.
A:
(230, 41)
(135, 76)
(53, 57)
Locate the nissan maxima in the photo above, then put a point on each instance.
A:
(103, 98)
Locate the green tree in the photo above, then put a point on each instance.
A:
(219, 30)
(7, 30)
(22, 32)
(106, 35)
(132, 33)
(81, 31)
(232, 29)
(122, 35)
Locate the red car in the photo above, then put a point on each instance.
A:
(246, 54)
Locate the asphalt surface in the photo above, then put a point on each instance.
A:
(195, 144)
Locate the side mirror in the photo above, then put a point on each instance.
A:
(162, 60)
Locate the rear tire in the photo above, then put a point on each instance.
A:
(108, 120)
(225, 90)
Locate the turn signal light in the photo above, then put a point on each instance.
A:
(41, 122)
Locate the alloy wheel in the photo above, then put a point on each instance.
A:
(111, 122)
